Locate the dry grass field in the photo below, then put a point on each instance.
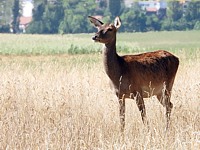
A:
(65, 102)
(54, 102)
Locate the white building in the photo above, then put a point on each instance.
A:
(27, 7)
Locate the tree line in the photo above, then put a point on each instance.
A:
(176, 17)
(70, 16)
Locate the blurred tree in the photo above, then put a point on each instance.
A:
(70, 16)
(175, 10)
(134, 19)
(153, 23)
(197, 25)
(16, 15)
(166, 24)
(174, 17)
(5, 11)
(114, 7)
(37, 25)
(4, 28)
(37, 2)
(39, 11)
(52, 17)
(75, 16)
(192, 11)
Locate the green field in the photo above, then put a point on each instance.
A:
(81, 43)
(51, 98)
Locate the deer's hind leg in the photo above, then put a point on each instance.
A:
(164, 98)
(141, 106)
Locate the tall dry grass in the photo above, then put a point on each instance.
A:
(55, 102)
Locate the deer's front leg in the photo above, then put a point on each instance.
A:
(122, 112)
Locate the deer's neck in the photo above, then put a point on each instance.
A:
(111, 62)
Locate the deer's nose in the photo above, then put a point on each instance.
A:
(94, 37)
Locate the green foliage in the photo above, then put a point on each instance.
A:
(70, 16)
(5, 12)
(38, 24)
(153, 23)
(193, 11)
(114, 7)
(67, 16)
(74, 49)
(38, 12)
(4, 28)
(181, 17)
(52, 18)
(46, 18)
(134, 19)
(197, 25)
(36, 27)
(166, 25)
(175, 11)
(16, 15)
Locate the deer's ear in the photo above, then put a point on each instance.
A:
(117, 22)
(97, 23)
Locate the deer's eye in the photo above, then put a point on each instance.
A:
(104, 32)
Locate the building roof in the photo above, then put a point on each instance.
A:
(151, 9)
(25, 20)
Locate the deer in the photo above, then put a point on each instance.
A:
(131, 76)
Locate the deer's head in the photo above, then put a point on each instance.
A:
(106, 32)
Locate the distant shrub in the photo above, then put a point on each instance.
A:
(73, 49)
(197, 25)
(4, 28)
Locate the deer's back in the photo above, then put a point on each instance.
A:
(155, 67)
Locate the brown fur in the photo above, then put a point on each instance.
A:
(136, 76)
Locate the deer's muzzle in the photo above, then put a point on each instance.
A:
(96, 38)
